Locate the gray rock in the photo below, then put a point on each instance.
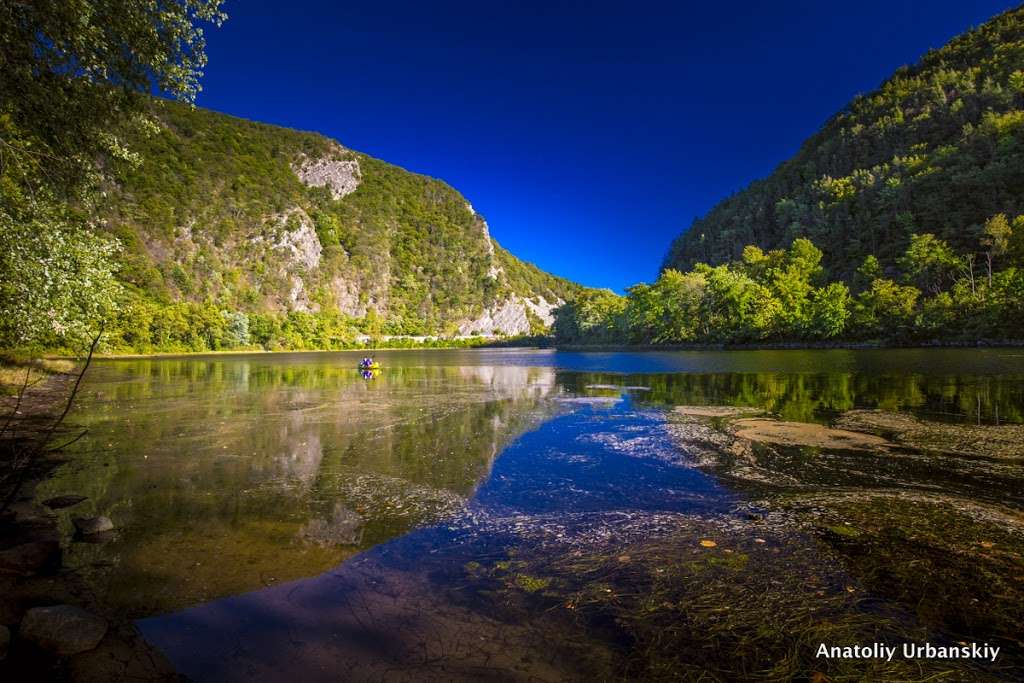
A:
(93, 525)
(63, 629)
(5, 640)
(59, 502)
(341, 177)
(31, 558)
(344, 527)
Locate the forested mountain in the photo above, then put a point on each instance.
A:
(222, 219)
(938, 148)
(901, 221)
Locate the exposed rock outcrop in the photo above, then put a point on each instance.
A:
(298, 239)
(543, 309)
(510, 317)
(341, 177)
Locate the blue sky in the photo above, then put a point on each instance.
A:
(589, 134)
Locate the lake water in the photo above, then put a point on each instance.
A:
(543, 515)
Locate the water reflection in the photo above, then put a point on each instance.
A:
(228, 477)
(821, 396)
(223, 476)
(598, 473)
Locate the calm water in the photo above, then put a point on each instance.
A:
(278, 516)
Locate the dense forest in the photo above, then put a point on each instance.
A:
(899, 222)
(786, 296)
(938, 148)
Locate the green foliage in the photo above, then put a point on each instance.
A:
(778, 296)
(937, 149)
(596, 315)
(929, 263)
(736, 307)
(73, 72)
(995, 240)
(886, 308)
(829, 311)
(56, 285)
(74, 78)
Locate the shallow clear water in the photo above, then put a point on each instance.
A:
(279, 516)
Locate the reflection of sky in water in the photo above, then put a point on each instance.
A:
(594, 459)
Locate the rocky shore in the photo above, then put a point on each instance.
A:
(51, 626)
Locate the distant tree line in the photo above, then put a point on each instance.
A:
(780, 295)
(144, 326)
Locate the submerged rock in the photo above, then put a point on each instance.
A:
(58, 502)
(31, 558)
(344, 527)
(806, 434)
(88, 526)
(122, 655)
(63, 629)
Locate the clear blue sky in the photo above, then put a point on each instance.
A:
(589, 134)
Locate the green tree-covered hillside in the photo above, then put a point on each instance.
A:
(937, 149)
(224, 219)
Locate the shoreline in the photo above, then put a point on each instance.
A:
(799, 346)
(265, 352)
(598, 348)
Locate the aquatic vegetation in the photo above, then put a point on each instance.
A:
(958, 564)
(531, 584)
(843, 530)
(743, 610)
(971, 440)
(935, 537)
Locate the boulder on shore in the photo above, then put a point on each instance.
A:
(63, 629)
(92, 525)
(59, 502)
(30, 558)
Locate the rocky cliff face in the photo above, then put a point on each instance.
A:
(263, 219)
(512, 317)
(340, 176)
